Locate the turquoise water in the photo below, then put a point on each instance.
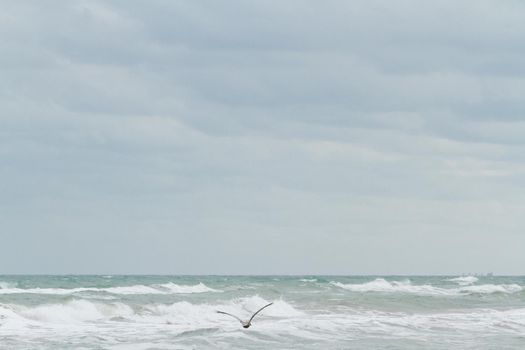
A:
(309, 312)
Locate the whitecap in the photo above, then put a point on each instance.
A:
(56, 291)
(184, 314)
(492, 288)
(168, 288)
(75, 311)
(179, 316)
(384, 286)
(7, 285)
(130, 290)
(185, 289)
(464, 280)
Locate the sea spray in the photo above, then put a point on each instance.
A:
(165, 312)
(381, 285)
(166, 288)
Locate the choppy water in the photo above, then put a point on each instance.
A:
(309, 312)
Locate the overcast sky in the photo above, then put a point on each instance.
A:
(262, 137)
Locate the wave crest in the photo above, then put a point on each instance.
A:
(384, 286)
(167, 288)
(182, 314)
(464, 280)
(76, 311)
(7, 285)
(183, 289)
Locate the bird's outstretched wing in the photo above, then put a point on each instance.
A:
(225, 313)
(265, 306)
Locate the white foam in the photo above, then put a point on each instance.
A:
(6, 285)
(280, 308)
(384, 286)
(83, 321)
(56, 291)
(185, 313)
(167, 288)
(399, 324)
(7, 312)
(464, 280)
(492, 288)
(130, 290)
(183, 289)
(75, 311)
(181, 316)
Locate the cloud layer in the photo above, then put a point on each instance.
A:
(262, 137)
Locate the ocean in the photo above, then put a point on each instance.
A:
(309, 312)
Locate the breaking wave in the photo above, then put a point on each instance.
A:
(183, 313)
(329, 312)
(306, 280)
(166, 288)
(6, 285)
(183, 289)
(76, 311)
(492, 288)
(384, 286)
(277, 323)
(464, 280)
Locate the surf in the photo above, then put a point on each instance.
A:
(381, 285)
(166, 288)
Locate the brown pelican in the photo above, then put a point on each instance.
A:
(245, 324)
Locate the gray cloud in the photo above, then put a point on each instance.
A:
(342, 137)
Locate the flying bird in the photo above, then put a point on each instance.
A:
(245, 324)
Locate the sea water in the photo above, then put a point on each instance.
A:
(309, 312)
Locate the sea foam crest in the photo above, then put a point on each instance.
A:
(183, 289)
(464, 280)
(55, 291)
(280, 308)
(167, 288)
(6, 285)
(373, 322)
(181, 315)
(129, 290)
(382, 285)
(76, 311)
(80, 318)
(185, 312)
(492, 288)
